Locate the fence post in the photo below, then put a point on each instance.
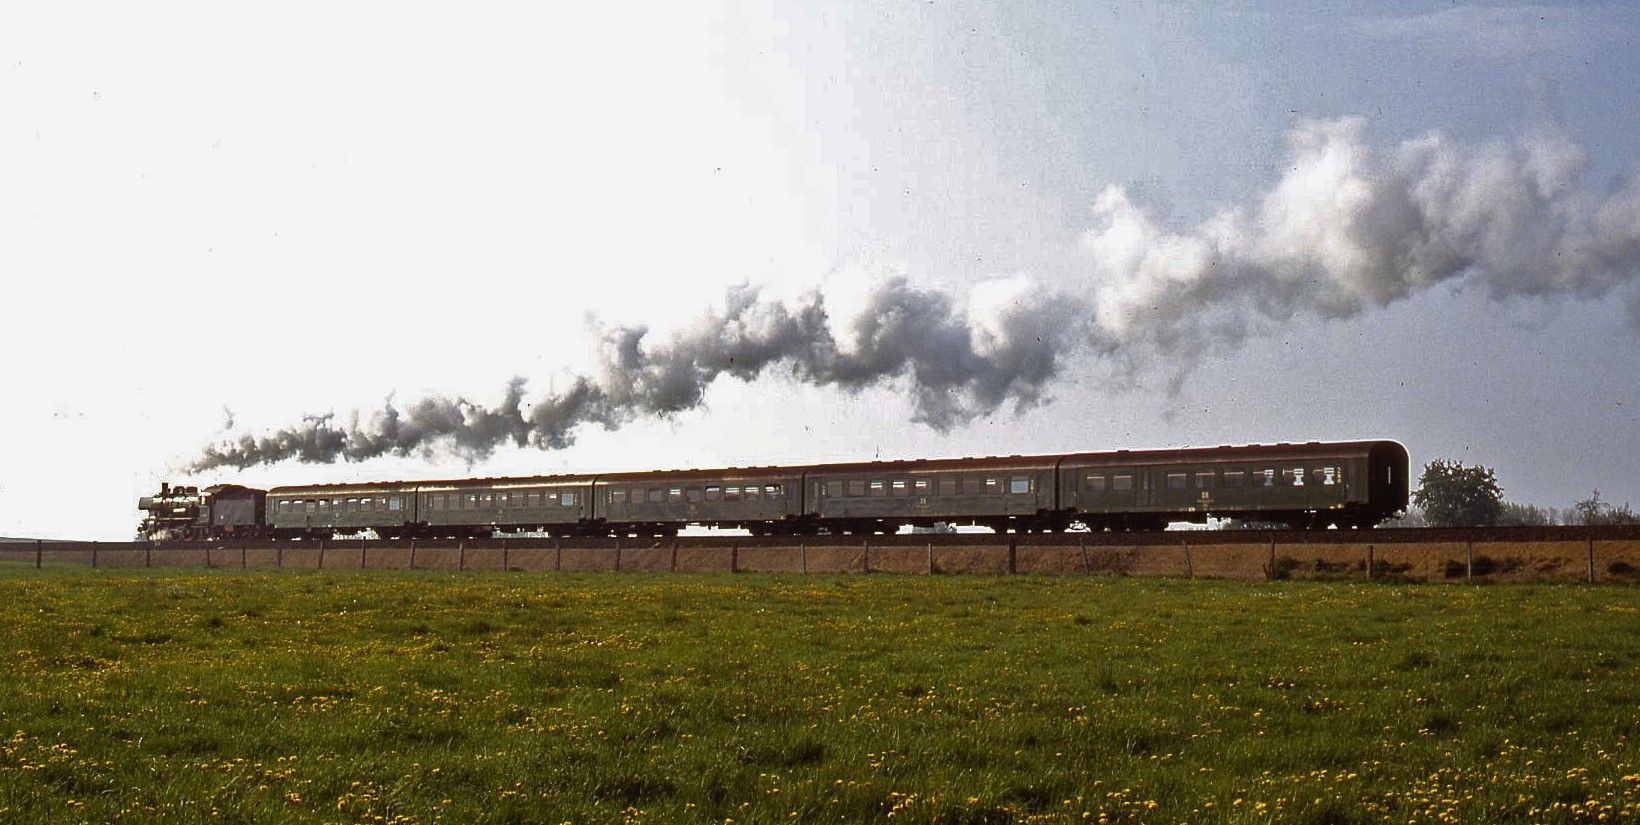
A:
(734, 557)
(1591, 560)
(505, 566)
(321, 554)
(617, 554)
(148, 555)
(461, 557)
(412, 554)
(1272, 558)
(242, 553)
(1082, 542)
(1013, 555)
(1190, 569)
(931, 558)
(207, 557)
(1469, 560)
(803, 555)
(364, 551)
(93, 555)
(865, 561)
(674, 554)
(1370, 563)
(558, 565)
(279, 557)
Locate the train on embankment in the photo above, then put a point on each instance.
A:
(1349, 484)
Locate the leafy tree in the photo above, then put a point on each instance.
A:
(1525, 515)
(1594, 511)
(1453, 495)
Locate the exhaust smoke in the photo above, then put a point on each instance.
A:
(1345, 229)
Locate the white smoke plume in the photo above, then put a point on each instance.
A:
(1344, 230)
(1347, 229)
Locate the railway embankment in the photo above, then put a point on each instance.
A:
(1581, 554)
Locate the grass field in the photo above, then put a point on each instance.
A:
(430, 697)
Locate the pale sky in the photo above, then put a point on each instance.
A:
(1218, 222)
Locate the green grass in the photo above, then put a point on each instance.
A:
(428, 697)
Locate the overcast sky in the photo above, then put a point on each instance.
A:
(709, 234)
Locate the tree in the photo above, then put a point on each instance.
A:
(1453, 495)
(1594, 511)
(1524, 515)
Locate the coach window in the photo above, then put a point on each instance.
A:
(731, 494)
(972, 486)
(1176, 481)
(948, 486)
(617, 496)
(567, 499)
(921, 486)
(900, 487)
(1295, 477)
(1235, 478)
(1204, 480)
(395, 504)
(1121, 484)
(993, 485)
(879, 488)
(714, 493)
(1094, 484)
(1269, 477)
(674, 495)
(692, 493)
(834, 489)
(656, 496)
(772, 491)
(856, 487)
(1019, 485)
(753, 493)
(1329, 475)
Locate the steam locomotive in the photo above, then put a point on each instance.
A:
(1306, 486)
